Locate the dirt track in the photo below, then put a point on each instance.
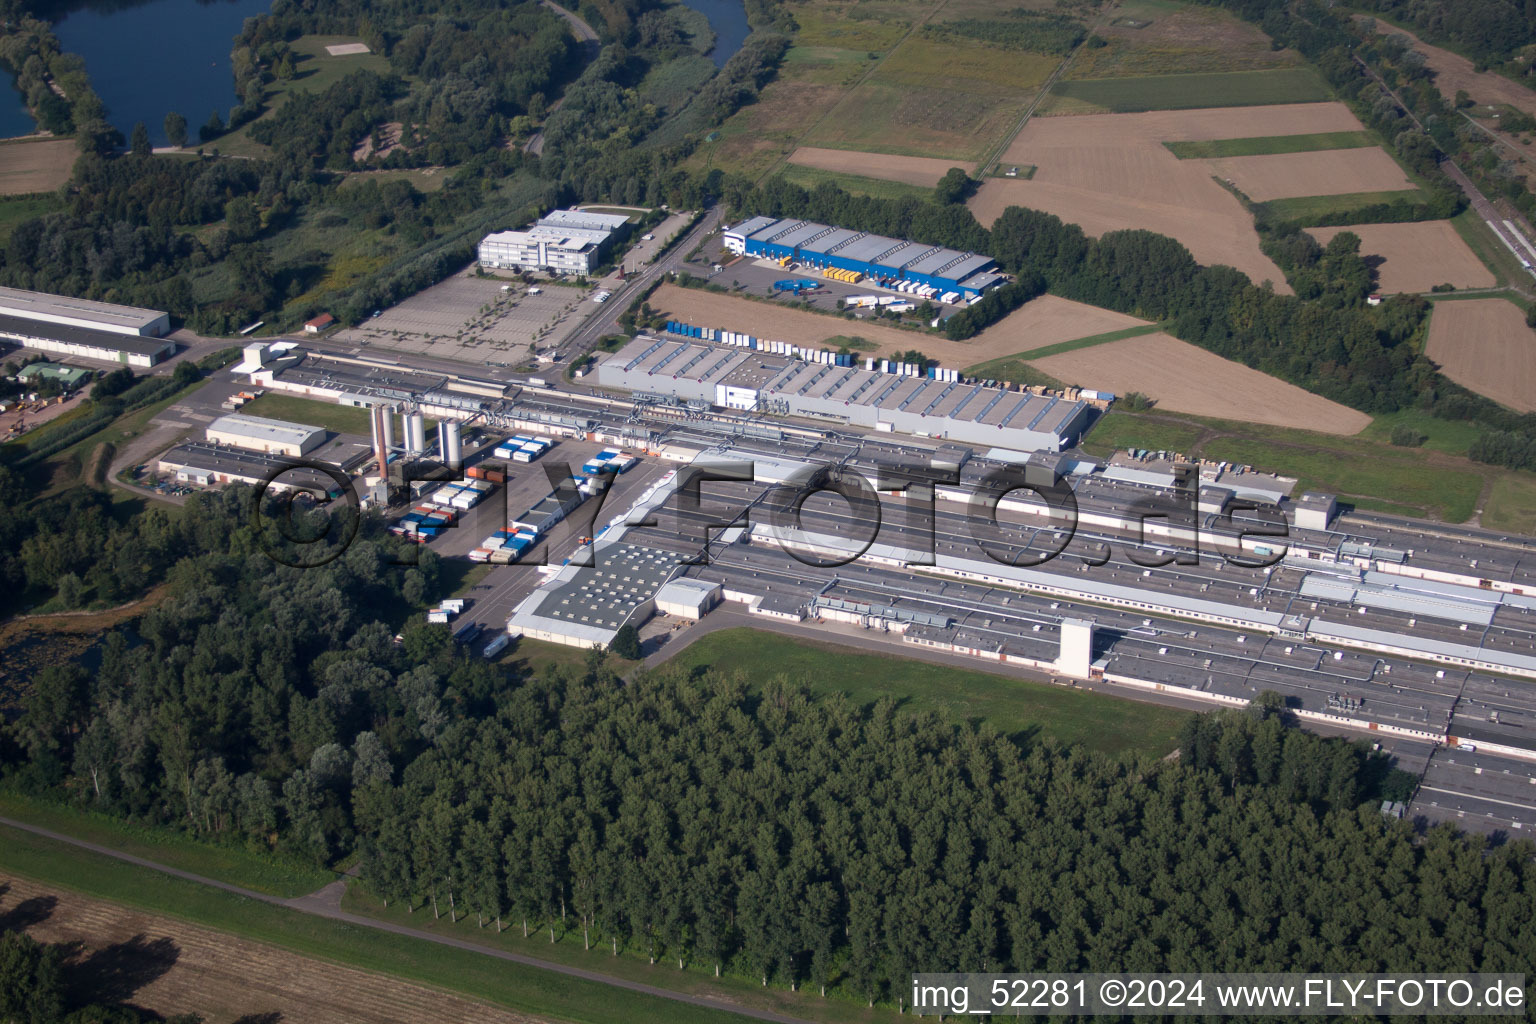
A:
(1417, 255)
(1183, 378)
(1483, 344)
(172, 967)
(1043, 321)
(913, 170)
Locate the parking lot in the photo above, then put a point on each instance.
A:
(471, 319)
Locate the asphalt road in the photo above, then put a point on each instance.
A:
(604, 321)
(325, 903)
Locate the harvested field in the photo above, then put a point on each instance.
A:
(1183, 378)
(912, 170)
(1320, 173)
(1110, 172)
(35, 165)
(172, 967)
(1417, 255)
(1047, 320)
(1483, 344)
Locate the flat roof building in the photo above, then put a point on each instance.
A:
(585, 606)
(256, 433)
(562, 242)
(751, 379)
(210, 465)
(87, 313)
(64, 339)
(887, 260)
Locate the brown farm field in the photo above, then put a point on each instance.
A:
(1417, 255)
(1483, 344)
(1044, 321)
(172, 967)
(35, 165)
(1110, 172)
(1327, 172)
(1183, 378)
(912, 170)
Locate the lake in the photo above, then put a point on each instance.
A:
(728, 18)
(148, 59)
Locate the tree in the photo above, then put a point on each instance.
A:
(626, 643)
(212, 128)
(175, 129)
(139, 140)
(955, 187)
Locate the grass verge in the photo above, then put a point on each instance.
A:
(1017, 707)
(235, 865)
(339, 419)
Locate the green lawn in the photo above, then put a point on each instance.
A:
(1014, 370)
(1265, 145)
(1013, 706)
(1436, 481)
(1092, 340)
(1480, 239)
(857, 184)
(1116, 431)
(1331, 209)
(21, 208)
(1184, 92)
(339, 419)
(236, 865)
(530, 990)
(1511, 504)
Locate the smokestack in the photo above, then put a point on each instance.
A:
(380, 446)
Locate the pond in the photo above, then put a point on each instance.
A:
(148, 59)
(728, 19)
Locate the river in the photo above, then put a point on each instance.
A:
(148, 59)
(728, 19)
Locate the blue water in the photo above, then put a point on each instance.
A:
(728, 19)
(14, 116)
(149, 59)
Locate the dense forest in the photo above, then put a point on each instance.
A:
(1492, 31)
(792, 840)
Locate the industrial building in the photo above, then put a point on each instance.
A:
(688, 598)
(586, 606)
(209, 465)
(62, 339)
(258, 434)
(86, 313)
(821, 247)
(563, 242)
(752, 380)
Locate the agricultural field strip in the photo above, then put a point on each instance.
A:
(1183, 378)
(1484, 345)
(1265, 145)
